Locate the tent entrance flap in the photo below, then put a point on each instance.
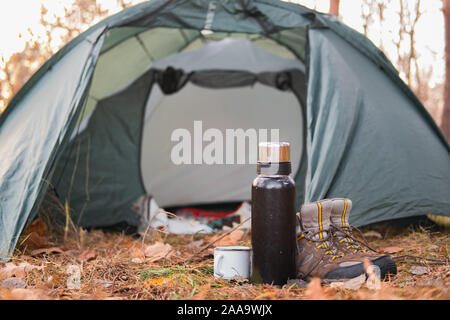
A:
(123, 145)
(225, 96)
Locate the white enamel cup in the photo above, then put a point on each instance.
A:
(233, 261)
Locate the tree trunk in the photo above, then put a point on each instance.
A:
(445, 123)
(334, 7)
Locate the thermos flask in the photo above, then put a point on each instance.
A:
(273, 216)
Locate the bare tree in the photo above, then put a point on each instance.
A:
(367, 15)
(16, 70)
(445, 123)
(334, 7)
(124, 3)
(409, 16)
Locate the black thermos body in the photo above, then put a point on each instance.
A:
(273, 216)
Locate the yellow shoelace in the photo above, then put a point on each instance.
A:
(323, 245)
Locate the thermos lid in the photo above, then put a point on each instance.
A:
(274, 152)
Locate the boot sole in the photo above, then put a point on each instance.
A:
(385, 263)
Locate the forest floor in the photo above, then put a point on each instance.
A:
(105, 265)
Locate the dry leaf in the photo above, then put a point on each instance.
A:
(392, 250)
(115, 298)
(33, 241)
(299, 283)
(372, 235)
(11, 270)
(137, 260)
(373, 275)
(337, 285)
(230, 240)
(418, 271)
(355, 283)
(196, 244)
(38, 226)
(137, 252)
(11, 283)
(157, 281)
(104, 283)
(158, 251)
(314, 290)
(46, 251)
(35, 235)
(236, 235)
(87, 255)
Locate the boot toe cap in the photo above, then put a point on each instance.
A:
(346, 272)
(386, 264)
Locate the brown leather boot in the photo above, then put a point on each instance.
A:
(316, 254)
(345, 241)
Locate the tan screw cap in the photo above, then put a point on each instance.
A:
(274, 152)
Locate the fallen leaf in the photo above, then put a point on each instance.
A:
(236, 235)
(46, 251)
(38, 226)
(23, 294)
(230, 240)
(104, 283)
(11, 283)
(137, 260)
(158, 251)
(418, 271)
(137, 252)
(372, 235)
(393, 249)
(35, 235)
(196, 244)
(314, 290)
(202, 292)
(87, 255)
(129, 244)
(299, 283)
(355, 283)
(11, 270)
(373, 275)
(337, 285)
(157, 281)
(33, 241)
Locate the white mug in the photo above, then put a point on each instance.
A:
(233, 261)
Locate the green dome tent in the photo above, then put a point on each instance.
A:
(94, 123)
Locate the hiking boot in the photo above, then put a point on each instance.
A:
(345, 242)
(316, 254)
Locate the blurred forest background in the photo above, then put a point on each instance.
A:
(392, 25)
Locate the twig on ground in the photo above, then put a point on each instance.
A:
(398, 259)
(211, 243)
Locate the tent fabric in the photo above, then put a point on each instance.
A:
(366, 135)
(31, 134)
(406, 179)
(228, 54)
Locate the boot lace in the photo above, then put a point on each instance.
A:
(344, 234)
(322, 242)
